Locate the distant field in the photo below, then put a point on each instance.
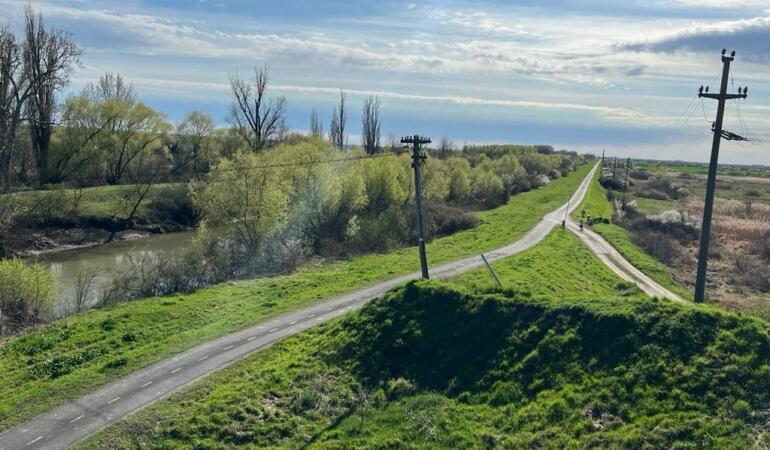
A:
(76, 354)
(661, 167)
(100, 201)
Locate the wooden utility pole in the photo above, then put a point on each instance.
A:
(625, 186)
(722, 97)
(417, 158)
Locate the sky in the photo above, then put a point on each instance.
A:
(584, 75)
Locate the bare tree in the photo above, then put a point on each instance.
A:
(258, 119)
(14, 90)
(370, 125)
(316, 125)
(445, 147)
(83, 285)
(49, 58)
(339, 121)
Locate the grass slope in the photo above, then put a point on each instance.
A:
(595, 205)
(74, 355)
(431, 366)
(98, 202)
(559, 267)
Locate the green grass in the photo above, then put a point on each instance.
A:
(541, 270)
(431, 366)
(100, 201)
(596, 202)
(661, 167)
(653, 206)
(72, 356)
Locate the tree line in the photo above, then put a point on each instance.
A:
(105, 135)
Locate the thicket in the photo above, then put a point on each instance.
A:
(26, 294)
(266, 212)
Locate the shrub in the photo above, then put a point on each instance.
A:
(653, 194)
(762, 245)
(398, 388)
(639, 174)
(172, 205)
(660, 246)
(27, 292)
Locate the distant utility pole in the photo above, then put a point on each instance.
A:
(602, 158)
(625, 186)
(417, 158)
(615, 167)
(722, 97)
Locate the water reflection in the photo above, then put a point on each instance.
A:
(103, 263)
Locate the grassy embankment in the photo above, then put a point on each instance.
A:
(597, 205)
(431, 366)
(74, 355)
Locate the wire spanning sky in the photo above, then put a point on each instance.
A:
(580, 74)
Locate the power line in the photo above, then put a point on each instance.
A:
(139, 177)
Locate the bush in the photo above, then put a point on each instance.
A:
(441, 220)
(27, 292)
(762, 245)
(639, 174)
(661, 247)
(172, 205)
(611, 183)
(653, 194)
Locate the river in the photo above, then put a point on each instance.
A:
(104, 262)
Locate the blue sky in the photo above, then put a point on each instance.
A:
(583, 74)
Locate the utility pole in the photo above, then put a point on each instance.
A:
(602, 166)
(705, 235)
(625, 186)
(615, 167)
(417, 158)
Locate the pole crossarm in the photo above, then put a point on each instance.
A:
(722, 96)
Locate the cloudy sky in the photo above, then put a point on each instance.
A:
(581, 74)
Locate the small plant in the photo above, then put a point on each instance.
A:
(108, 324)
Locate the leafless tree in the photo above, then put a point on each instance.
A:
(445, 147)
(14, 90)
(316, 125)
(83, 285)
(394, 143)
(9, 211)
(258, 119)
(49, 58)
(338, 123)
(370, 125)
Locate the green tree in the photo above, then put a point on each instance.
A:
(458, 174)
(245, 200)
(194, 149)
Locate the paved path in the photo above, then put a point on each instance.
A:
(79, 418)
(618, 264)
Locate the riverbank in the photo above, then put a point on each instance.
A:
(46, 221)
